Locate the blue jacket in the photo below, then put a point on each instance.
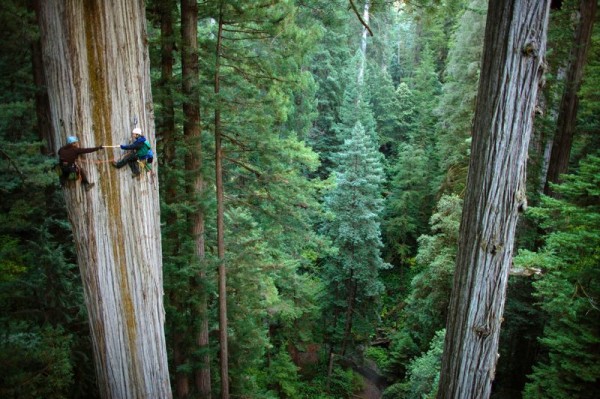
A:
(141, 146)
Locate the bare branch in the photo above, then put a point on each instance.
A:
(362, 21)
(13, 163)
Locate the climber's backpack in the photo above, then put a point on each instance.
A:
(67, 171)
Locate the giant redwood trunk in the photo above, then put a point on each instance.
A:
(514, 46)
(97, 72)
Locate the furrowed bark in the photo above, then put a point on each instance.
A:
(97, 72)
(514, 47)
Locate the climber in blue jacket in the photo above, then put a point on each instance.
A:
(139, 150)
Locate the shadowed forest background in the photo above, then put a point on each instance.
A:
(345, 158)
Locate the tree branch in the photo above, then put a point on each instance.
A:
(11, 162)
(243, 165)
(362, 21)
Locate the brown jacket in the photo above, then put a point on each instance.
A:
(69, 153)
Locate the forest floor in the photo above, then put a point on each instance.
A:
(371, 381)
(370, 390)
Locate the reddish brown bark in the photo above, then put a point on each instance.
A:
(223, 339)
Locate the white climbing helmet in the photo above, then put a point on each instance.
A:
(137, 131)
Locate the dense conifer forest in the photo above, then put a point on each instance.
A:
(311, 164)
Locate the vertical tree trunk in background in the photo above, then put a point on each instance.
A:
(350, 299)
(363, 44)
(98, 76)
(165, 10)
(42, 105)
(166, 129)
(567, 116)
(514, 46)
(223, 339)
(193, 164)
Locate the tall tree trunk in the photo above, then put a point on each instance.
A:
(191, 133)
(567, 116)
(193, 164)
(42, 102)
(98, 76)
(363, 44)
(351, 299)
(223, 339)
(514, 46)
(166, 129)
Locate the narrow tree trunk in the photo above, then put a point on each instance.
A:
(166, 129)
(350, 299)
(567, 117)
(514, 46)
(363, 44)
(191, 123)
(42, 104)
(223, 339)
(182, 383)
(98, 76)
(192, 133)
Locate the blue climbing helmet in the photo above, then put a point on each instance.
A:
(72, 139)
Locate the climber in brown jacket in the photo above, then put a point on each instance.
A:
(70, 168)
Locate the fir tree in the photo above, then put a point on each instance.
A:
(569, 287)
(352, 274)
(457, 102)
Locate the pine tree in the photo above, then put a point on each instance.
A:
(413, 180)
(568, 287)
(459, 91)
(267, 199)
(425, 308)
(352, 274)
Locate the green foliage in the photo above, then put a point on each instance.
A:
(426, 305)
(390, 116)
(283, 375)
(408, 205)
(343, 383)
(589, 101)
(36, 363)
(379, 355)
(569, 287)
(412, 179)
(457, 102)
(355, 203)
(423, 373)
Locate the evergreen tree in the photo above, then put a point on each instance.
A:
(267, 199)
(351, 275)
(568, 287)
(494, 197)
(328, 65)
(386, 108)
(459, 92)
(412, 183)
(425, 307)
